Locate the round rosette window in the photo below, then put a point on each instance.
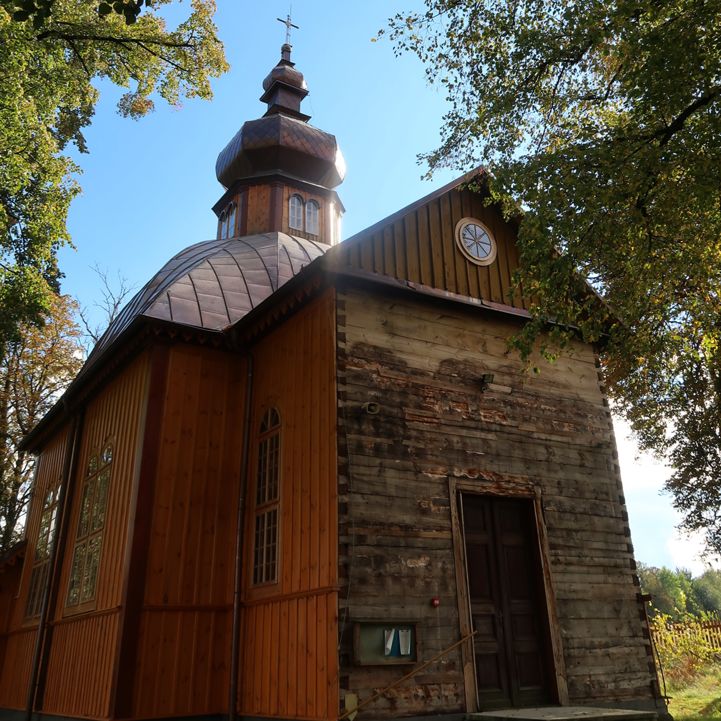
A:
(476, 241)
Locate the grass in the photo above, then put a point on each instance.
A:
(700, 700)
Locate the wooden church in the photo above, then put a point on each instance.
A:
(305, 479)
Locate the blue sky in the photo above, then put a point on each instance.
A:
(148, 186)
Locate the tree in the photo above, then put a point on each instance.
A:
(707, 588)
(114, 294)
(667, 593)
(600, 120)
(52, 52)
(40, 10)
(35, 369)
(677, 594)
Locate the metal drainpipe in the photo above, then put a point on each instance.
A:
(235, 632)
(60, 528)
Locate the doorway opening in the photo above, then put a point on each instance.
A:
(511, 650)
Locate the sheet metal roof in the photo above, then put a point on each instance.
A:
(213, 284)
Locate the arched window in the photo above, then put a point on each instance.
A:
(311, 217)
(43, 548)
(295, 212)
(89, 536)
(267, 500)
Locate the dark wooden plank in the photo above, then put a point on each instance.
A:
(124, 671)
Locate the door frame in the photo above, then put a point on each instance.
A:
(504, 488)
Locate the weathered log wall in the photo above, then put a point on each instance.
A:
(421, 361)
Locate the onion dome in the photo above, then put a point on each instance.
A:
(285, 73)
(282, 142)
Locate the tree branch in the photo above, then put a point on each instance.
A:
(677, 124)
(79, 57)
(91, 37)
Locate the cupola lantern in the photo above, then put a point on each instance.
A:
(283, 153)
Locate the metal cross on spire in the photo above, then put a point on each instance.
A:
(288, 25)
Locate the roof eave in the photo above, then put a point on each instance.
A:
(123, 348)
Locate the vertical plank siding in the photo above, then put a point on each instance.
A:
(48, 474)
(295, 677)
(420, 247)
(289, 660)
(10, 577)
(82, 688)
(21, 634)
(80, 661)
(17, 667)
(422, 363)
(258, 210)
(80, 672)
(183, 662)
(184, 647)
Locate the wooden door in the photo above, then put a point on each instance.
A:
(513, 666)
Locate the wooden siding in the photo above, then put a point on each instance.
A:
(80, 669)
(10, 577)
(258, 210)
(82, 688)
(49, 472)
(420, 247)
(422, 363)
(289, 661)
(20, 642)
(184, 632)
(324, 216)
(183, 661)
(17, 667)
(114, 416)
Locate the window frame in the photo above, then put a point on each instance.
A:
(265, 552)
(316, 219)
(227, 217)
(300, 212)
(230, 219)
(40, 573)
(221, 226)
(93, 504)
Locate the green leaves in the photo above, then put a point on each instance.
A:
(39, 11)
(36, 10)
(601, 119)
(35, 368)
(129, 9)
(47, 98)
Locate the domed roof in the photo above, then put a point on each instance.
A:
(285, 73)
(282, 142)
(278, 143)
(215, 283)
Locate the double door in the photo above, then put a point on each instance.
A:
(507, 603)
